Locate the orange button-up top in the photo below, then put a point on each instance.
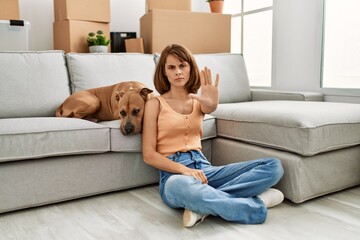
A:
(178, 132)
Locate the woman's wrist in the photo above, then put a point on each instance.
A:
(183, 169)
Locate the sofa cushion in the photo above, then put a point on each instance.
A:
(27, 138)
(267, 95)
(97, 70)
(306, 128)
(132, 143)
(32, 84)
(234, 82)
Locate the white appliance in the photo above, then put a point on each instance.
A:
(14, 35)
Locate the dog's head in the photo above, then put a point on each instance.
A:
(129, 108)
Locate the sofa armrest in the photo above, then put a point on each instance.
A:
(266, 95)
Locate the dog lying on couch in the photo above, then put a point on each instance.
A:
(124, 101)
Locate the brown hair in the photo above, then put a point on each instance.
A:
(161, 81)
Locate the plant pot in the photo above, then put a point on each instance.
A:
(216, 6)
(98, 49)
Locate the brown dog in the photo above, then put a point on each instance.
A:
(124, 101)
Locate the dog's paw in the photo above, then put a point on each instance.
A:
(92, 120)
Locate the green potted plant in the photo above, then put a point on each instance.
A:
(216, 6)
(97, 42)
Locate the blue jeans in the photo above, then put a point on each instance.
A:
(231, 192)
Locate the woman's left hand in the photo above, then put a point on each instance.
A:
(209, 97)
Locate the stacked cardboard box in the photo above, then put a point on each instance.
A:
(74, 19)
(199, 32)
(184, 5)
(134, 45)
(9, 10)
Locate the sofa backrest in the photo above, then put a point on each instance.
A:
(89, 70)
(32, 84)
(234, 82)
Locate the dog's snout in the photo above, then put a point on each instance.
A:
(129, 128)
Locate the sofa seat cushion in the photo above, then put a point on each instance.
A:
(97, 70)
(305, 128)
(32, 84)
(132, 143)
(28, 138)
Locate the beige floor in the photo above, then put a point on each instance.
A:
(140, 214)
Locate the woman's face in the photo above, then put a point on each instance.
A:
(177, 72)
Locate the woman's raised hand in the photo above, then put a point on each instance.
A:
(209, 97)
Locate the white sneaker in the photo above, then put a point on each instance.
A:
(191, 218)
(272, 197)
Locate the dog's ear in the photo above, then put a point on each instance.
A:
(118, 95)
(144, 93)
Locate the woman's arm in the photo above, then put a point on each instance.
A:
(209, 98)
(149, 136)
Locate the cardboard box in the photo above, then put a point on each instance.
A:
(85, 10)
(134, 45)
(168, 4)
(9, 10)
(70, 35)
(199, 32)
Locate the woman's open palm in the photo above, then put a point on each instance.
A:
(209, 97)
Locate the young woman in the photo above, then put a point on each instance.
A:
(171, 142)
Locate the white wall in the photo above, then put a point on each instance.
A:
(297, 38)
(297, 44)
(297, 49)
(40, 14)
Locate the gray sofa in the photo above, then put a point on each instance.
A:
(44, 159)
